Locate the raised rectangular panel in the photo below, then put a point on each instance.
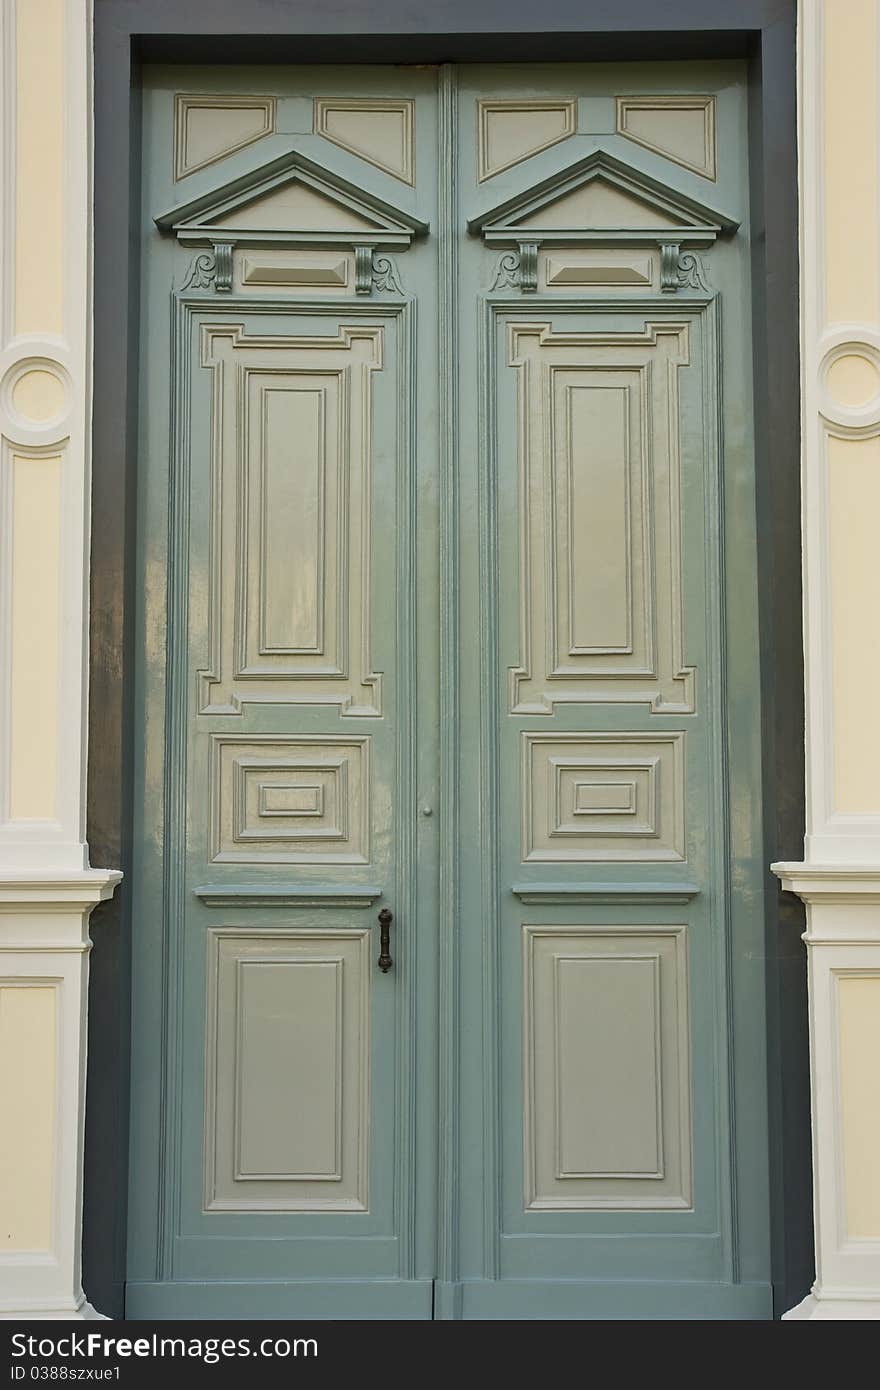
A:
(288, 1071)
(680, 127)
(289, 799)
(510, 131)
(295, 270)
(289, 601)
(600, 516)
(607, 1112)
(603, 797)
(209, 127)
(564, 269)
(380, 130)
(295, 800)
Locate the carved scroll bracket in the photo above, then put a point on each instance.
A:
(211, 270)
(518, 269)
(680, 270)
(374, 272)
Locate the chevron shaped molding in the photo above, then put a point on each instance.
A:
(290, 199)
(601, 198)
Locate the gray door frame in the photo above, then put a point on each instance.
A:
(129, 33)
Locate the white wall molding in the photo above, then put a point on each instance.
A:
(843, 939)
(47, 890)
(839, 878)
(44, 945)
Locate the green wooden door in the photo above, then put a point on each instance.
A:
(447, 557)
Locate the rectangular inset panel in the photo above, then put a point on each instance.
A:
(600, 518)
(618, 1079)
(290, 800)
(35, 598)
(858, 1019)
(853, 491)
(288, 1071)
(289, 613)
(292, 525)
(27, 1104)
(607, 1120)
(595, 448)
(290, 1010)
(603, 797)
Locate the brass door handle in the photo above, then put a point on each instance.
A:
(386, 917)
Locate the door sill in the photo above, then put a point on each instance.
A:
(341, 1299)
(605, 1300)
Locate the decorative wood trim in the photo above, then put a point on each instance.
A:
(287, 895)
(175, 895)
(535, 689)
(693, 222)
(485, 107)
(449, 1003)
(302, 36)
(685, 102)
(184, 101)
(599, 893)
(200, 221)
(407, 108)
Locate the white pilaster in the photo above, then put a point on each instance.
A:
(47, 890)
(839, 879)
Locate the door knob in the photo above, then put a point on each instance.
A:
(386, 917)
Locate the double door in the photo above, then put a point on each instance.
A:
(447, 996)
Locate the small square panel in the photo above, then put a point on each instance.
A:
(290, 800)
(603, 797)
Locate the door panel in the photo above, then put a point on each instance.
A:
(611, 881)
(471, 324)
(278, 1161)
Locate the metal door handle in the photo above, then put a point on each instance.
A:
(386, 917)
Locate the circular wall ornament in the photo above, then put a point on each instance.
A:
(35, 398)
(849, 379)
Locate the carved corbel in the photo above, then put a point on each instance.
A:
(680, 270)
(363, 270)
(518, 269)
(223, 264)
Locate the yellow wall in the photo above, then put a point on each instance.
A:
(27, 1115)
(842, 308)
(37, 395)
(39, 184)
(37, 327)
(851, 272)
(36, 534)
(859, 1024)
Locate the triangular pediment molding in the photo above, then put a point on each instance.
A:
(290, 199)
(601, 198)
